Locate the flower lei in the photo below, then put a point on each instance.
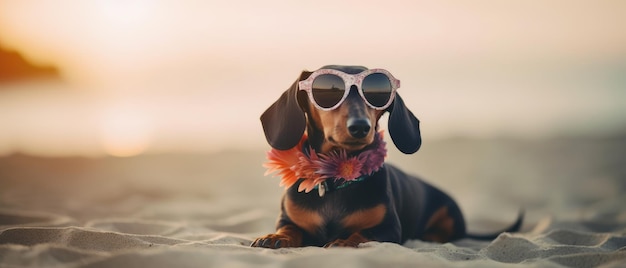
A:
(293, 164)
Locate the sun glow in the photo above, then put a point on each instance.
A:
(125, 131)
(123, 12)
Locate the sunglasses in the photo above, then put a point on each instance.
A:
(328, 88)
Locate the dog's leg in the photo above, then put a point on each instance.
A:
(444, 225)
(286, 236)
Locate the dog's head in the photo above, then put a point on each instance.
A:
(351, 126)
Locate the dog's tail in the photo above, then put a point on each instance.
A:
(513, 228)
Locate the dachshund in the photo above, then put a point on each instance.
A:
(387, 205)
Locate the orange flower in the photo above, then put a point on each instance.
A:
(283, 162)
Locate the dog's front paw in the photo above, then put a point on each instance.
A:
(345, 243)
(351, 242)
(273, 241)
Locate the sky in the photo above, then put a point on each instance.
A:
(156, 76)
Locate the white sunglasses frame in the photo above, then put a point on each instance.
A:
(349, 80)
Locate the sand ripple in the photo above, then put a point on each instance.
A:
(128, 243)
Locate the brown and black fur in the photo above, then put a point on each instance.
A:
(388, 206)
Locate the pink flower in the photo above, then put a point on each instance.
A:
(339, 165)
(309, 184)
(307, 168)
(373, 159)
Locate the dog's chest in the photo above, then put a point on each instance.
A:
(333, 215)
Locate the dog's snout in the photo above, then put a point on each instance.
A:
(359, 127)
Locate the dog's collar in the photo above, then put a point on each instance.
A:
(313, 170)
(330, 185)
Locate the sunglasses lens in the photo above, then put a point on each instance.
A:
(328, 90)
(377, 89)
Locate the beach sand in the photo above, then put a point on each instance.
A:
(194, 210)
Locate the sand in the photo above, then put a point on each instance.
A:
(194, 210)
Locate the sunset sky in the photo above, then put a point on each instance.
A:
(166, 76)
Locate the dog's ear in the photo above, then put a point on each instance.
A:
(284, 122)
(404, 127)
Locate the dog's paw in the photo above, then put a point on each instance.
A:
(345, 243)
(273, 241)
(352, 241)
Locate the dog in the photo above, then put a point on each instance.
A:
(336, 109)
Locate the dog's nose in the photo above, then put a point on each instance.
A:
(359, 127)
